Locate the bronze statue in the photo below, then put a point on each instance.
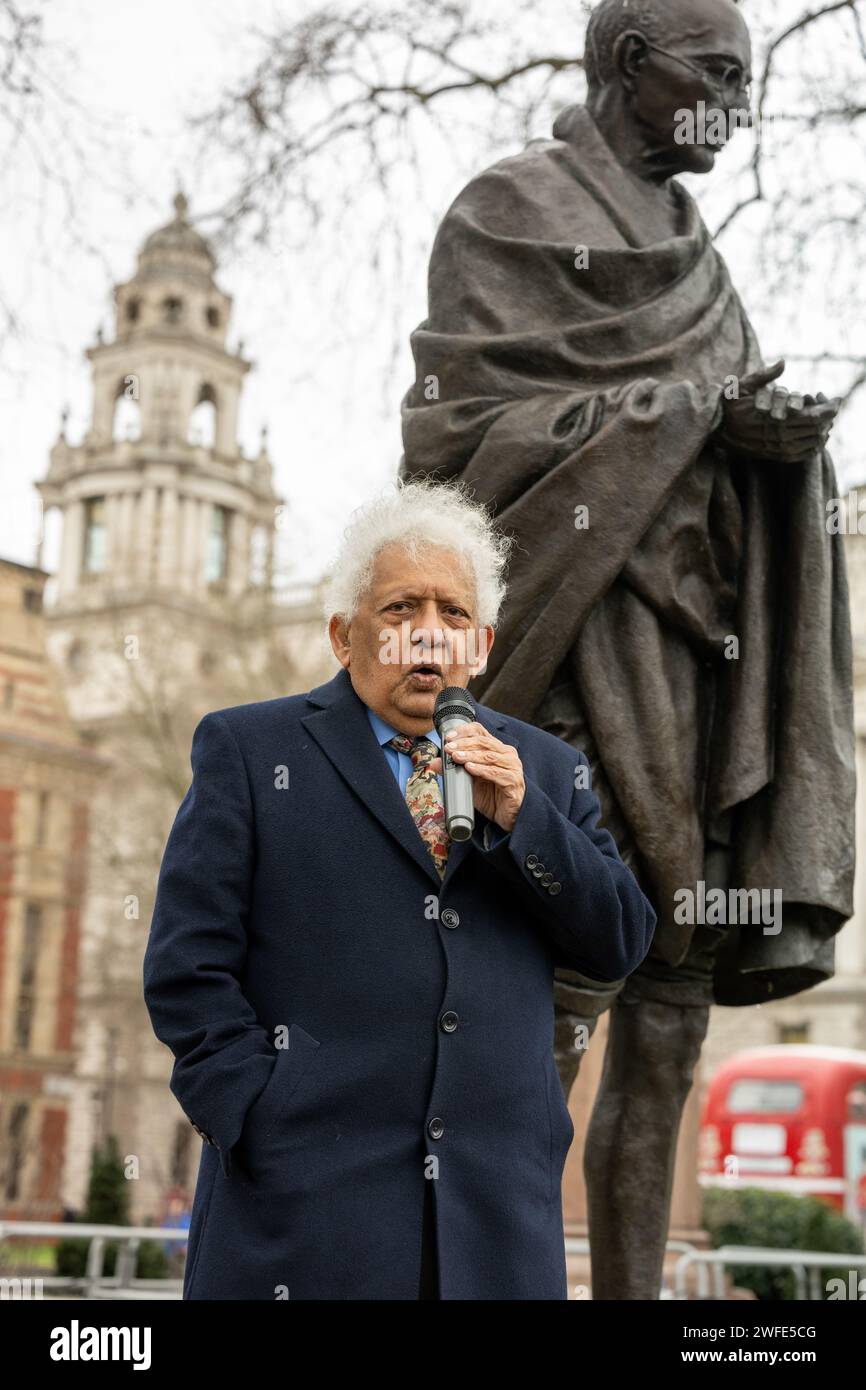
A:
(676, 608)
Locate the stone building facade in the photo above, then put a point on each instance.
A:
(47, 782)
(164, 608)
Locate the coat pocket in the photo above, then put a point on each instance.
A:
(273, 1103)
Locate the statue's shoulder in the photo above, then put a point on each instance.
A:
(516, 179)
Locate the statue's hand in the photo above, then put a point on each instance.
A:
(770, 422)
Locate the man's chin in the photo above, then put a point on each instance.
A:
(417, 699)
(703, 158)
(415, 695)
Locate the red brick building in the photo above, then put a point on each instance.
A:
(46, 782)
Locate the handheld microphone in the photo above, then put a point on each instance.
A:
(454, 707)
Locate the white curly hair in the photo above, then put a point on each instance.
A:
(417, 515)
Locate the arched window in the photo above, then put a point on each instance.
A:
(133, 310)
(127, 411)
(172, 309)
(202, 421)
(212, 316)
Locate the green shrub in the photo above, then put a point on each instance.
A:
(779, 1221)
(107, 1205)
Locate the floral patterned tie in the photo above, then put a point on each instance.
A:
(424, 797)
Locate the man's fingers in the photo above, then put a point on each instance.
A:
(798, 424)
(753, 380)
(479, 753)
(821, 408)
(779, 407)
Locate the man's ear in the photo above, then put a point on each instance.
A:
(629, 54)
(338, 631)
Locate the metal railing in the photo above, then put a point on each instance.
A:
(122, 1284)
(805, 1264)
(799, 1261)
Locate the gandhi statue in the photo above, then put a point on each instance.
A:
(677, 606)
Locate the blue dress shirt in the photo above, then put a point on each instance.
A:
(399, 763)
(401, 766)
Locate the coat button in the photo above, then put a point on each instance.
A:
(546, 879)
(449, 918)
(538, 871)
(554, 889)
(531, 860)
(449, 1021)
(435, 1128)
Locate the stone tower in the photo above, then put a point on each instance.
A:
(158, 496)
(163, 609)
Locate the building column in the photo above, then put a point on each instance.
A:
(113, 510)
(169, 526)
(146, 524)
(269, 558)
(204, 517)
(239, 553)
(225, 441)
(72, 548)
(187, 530)
(125, 565)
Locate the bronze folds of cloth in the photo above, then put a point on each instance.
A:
(548, 389)
(677, 609)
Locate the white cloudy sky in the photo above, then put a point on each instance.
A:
(327, 381)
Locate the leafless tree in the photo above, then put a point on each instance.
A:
(50, 144)
(348, 109)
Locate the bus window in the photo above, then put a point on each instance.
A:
(756, 1096)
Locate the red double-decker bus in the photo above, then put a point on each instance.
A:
(791, 1118)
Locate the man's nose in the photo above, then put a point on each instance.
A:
(740, 107)
(428, 634)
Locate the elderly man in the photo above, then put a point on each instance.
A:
(676, 607)
(361, 1012)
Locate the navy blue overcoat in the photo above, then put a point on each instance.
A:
(346, 1026)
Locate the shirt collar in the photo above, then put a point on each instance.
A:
(384, 731)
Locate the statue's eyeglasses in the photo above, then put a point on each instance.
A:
(727, 77)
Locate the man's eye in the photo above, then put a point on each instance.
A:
(731, 76)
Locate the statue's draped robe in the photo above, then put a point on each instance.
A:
(564, 365)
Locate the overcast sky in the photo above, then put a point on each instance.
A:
(325, 381)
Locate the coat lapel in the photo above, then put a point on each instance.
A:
(339, 724)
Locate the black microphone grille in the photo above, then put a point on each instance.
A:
(451, 701)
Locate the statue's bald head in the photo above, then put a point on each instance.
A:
(655, 68)
(658, 20)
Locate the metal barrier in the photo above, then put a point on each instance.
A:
(797, 1260)
(95, 1284)
(123, 1284)
(579, 1245)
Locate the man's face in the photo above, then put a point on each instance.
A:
(712, 36)
(414, 613)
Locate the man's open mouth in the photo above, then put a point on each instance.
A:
(425, 668)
